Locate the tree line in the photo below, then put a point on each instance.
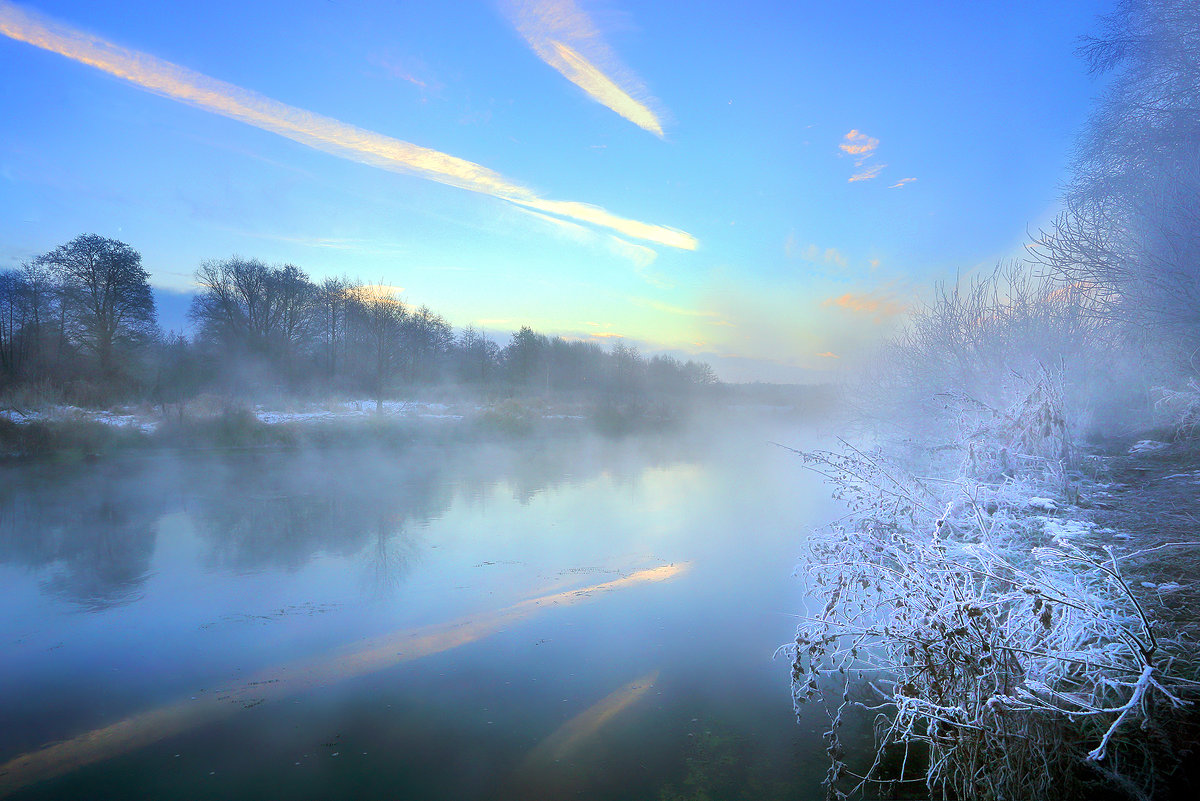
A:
(79, 324)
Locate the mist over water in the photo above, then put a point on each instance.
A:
(588, 617)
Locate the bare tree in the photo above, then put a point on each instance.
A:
(478, 356)
(252, 310)
(107, 293)
(377, 315)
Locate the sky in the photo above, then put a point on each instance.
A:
(767, 186)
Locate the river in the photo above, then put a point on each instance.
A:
(580, 617)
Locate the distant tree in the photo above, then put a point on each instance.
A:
(107, 297)
(178, 374)
(294, 298)
(524, 356)
(478, 357)
(575, 365)
(329, 322)
(377, 316)
(629, 369)
(12, 323)
(700, 374)
(236, 304)
(255, 313)
(427, 340)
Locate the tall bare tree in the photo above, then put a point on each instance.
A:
(378, 315)
(108, 301)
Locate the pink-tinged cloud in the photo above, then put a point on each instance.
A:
(314, 130)
(877, 305)
(829, 355)
(607, 335)
(863, 147)
(856, 143)
(566, 38)
(867, 174)
(901, 183)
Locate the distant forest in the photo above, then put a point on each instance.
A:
(79, 325)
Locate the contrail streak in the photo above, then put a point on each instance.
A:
(367, 656)
(556, 30)
(316, 131)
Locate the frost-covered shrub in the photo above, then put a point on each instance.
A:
(1183, 408)
(1003, 653)
(977, 348)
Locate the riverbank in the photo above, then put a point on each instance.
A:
(1026, 631)
(68, 432)
(71, 432)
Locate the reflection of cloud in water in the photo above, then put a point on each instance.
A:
(556, 753)
(367, 656)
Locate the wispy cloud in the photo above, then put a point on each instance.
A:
(877, 304)
(861, 147)
(566, 38)
(360, 246)
(813, 253)
(313, 130)
(868, 173)
(829, 355)
(640, 255)
(901, 183)
(408, 68)
(828, 255)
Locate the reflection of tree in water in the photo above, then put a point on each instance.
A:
(390, 557)
(280, 512)
(90, 532)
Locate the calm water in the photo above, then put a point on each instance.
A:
(583, 618)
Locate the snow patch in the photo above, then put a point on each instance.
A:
(1067, 530)
(1042, 504)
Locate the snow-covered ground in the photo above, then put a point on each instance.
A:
(147, 419)
(365, 409)
(125, 418)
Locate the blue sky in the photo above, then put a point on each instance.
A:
(958, 116)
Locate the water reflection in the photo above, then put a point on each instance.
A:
(506, 599)
(271, 516)
(89, 535)
(90, 532)
(369, 656)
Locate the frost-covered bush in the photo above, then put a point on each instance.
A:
(977, 348)
(1183, 408)
(1003, 653)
